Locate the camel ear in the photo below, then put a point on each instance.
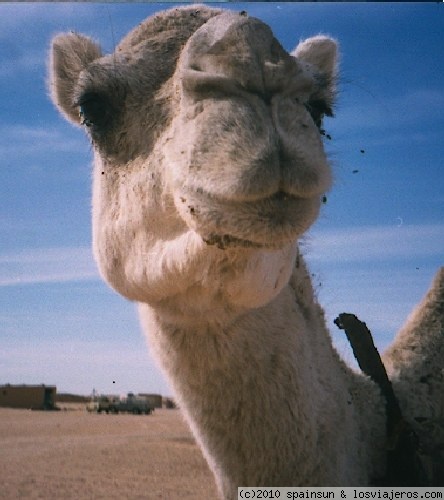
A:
(70, 54)
(321, 55)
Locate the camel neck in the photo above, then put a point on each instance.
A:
(256, 393)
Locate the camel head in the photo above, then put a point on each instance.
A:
(209, 162)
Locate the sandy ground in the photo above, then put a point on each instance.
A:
(75, 454)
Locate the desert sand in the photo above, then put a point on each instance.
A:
(75, 454)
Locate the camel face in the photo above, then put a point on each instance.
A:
(207, 146)
(249, 166)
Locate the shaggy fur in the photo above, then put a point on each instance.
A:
(209, 166)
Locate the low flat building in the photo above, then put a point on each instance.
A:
(33, 397)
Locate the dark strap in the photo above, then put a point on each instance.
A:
(404, 467)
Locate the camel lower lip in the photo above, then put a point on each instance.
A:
(224, 241)
(282, 196)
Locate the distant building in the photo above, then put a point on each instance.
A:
(34, 397)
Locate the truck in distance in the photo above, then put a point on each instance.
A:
(112, 404)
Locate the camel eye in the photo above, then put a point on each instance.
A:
(94, 110)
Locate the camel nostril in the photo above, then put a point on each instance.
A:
(266, 97)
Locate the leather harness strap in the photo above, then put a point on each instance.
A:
(404, 467)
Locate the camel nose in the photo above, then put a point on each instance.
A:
(233, 50)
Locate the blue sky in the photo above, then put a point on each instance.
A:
(373, 251)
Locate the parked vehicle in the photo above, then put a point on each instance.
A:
(130, 404)
(101, 403)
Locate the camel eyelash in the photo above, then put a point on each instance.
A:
(91, 109)
(318, 109)
(95, 111)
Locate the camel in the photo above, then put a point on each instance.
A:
(209, 167)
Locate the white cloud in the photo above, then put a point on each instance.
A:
(377, 273)
(25, 30)
(29, 61)
(375, 243)
(418, 106)
(32, 140)
(16, 17)
(47, 265)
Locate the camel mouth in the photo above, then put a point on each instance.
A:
(224, 241)
(271, 222)
(278, 202)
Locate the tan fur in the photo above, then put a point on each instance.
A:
(209, 166)
(415, 362)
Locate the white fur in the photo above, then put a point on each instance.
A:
(208, 170)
